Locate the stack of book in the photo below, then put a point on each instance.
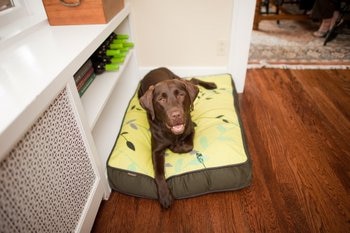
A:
(84, 77)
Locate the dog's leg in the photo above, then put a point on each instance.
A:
(206, 85)
(164, 195)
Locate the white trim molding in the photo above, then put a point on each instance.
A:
(241, 30)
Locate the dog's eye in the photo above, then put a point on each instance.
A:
(180, 94)
(162, 98)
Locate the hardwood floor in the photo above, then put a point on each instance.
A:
(297, 124)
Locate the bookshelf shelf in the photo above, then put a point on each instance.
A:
(99, 92)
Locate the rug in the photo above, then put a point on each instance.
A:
(290, 44)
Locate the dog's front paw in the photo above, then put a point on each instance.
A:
(165, 199)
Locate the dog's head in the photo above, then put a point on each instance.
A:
(169, 102)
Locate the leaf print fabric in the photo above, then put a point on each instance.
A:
(217, 142)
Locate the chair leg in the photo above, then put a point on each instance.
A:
(257, 15)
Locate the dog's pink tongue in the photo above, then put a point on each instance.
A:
(178, 129)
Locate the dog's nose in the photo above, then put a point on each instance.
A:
(175, 114)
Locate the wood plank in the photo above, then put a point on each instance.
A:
(298, 132)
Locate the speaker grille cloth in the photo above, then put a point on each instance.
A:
(47, 177)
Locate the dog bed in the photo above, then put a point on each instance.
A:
(218, 162)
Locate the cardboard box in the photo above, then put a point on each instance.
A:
(73, 12)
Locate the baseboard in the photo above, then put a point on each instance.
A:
(188, 71)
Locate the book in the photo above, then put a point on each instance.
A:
(87, 84)
(82, 70)
(85, 78)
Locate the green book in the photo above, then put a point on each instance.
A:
(87, 84)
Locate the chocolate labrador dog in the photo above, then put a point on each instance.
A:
(168, 101)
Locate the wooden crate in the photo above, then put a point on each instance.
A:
(72, 12)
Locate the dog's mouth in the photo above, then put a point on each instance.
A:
(177, 129)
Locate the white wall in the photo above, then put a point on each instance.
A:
(194, 37)
(181, 32)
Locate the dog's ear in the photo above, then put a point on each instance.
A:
(146, 101)
(191, 89)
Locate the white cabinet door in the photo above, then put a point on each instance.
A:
(50, 181)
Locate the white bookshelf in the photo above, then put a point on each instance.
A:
(105, 101)
(37, 68)
(97, 95)
(39, 63)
